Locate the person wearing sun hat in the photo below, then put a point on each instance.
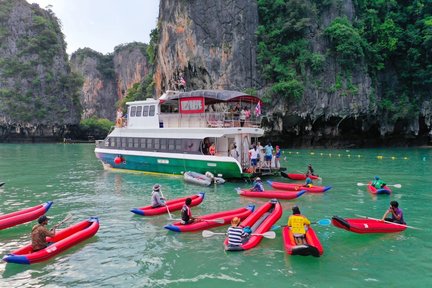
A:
(39, 234)
(157, 200)
(235, 233)
(257, 185)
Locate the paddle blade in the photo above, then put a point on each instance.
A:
(361, 184)
(324, 222)
(396, 185)
(269, 235)
(207, 233)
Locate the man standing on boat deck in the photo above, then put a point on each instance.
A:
(157, 200)
(39, 234)
(268, 155)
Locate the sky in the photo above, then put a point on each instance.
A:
(103, 24)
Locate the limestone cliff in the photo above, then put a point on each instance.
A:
(38, 92)
(212, 44)
(108, 77)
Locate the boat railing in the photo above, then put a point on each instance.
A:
(207, 119)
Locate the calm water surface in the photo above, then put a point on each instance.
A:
(130, 250)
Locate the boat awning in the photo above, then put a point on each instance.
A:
(212, 96)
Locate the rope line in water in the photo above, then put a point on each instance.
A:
(379, 157)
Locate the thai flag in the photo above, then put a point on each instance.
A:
(258, 109)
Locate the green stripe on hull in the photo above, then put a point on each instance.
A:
(172, 165)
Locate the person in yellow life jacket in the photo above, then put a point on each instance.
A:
(212, 149)
(298, 224)
(308, 182)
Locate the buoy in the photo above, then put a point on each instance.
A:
(118, 160)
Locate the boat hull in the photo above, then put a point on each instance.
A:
(23, 216)
(313, 246)
(173, 205)
(227, 216)
(260, 222)
(365, 226)
(298, 176)
(62, 241)
(296, 187)
(170, 163)
(375, 191)
(278, 194)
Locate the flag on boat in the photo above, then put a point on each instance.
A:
(258, 109)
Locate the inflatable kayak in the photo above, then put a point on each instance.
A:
(259, 222)
(278, 194)
(295, 187)
(313, 246)
(197, 178)
(298, 176)
(62, 241)
(212, 220)
(173, 205)
(23, 216)
(363, 226)
(384, 190)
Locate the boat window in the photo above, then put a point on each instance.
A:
(191, 145)
(138, 111)
(145, 111)
(143, 143)
(152, 110)
(123, 142)
(156, 144)
(136, 142)
(130, 142)
(133, 111)
(163, 143)
(112, 142)
(149, 143)
(171, 144)
(178, 144)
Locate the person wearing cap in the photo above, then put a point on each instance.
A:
(157, 200)
(378, 183)
(39, 234)
(235, 233)
(257, 185)
(297, 224)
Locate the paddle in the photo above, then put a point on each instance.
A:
(322, 222)
(220, 221)
(268, 234)
(389, 222)
(2, 183)
(169, 213)
(391, 185)
(69, 216)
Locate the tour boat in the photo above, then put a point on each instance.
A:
(259, 222)
(24, 215)
(278, 194)
(63, 240)
(173, 205)
(364, 226)
(313, 246)
(211, 220)
(172, 135)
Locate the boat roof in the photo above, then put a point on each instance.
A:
(211, 96)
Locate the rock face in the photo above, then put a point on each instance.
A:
(107, 77)
(210, 43)
(38, 92)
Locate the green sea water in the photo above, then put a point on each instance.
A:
(131, 250)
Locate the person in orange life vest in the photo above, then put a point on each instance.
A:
(297, 223)
(186, 214)
(212, 149)
(39, 234)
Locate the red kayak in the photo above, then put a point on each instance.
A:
(260, 222)
(173, 205)
(278, 194)
(23, 216)
(384, 190)
(313, 246)
(212, 220)
(298, 176)
(295, 187)
(62, 241)
(363, 226)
